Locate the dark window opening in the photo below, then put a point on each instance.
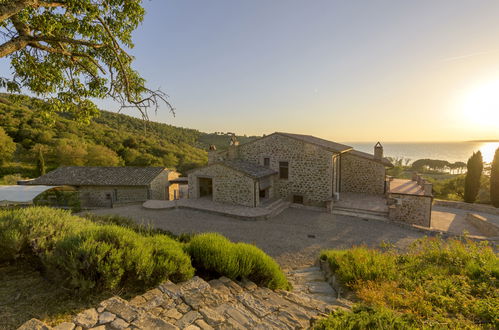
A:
(298, 199)
(266, 162)
(108, 196)
(283, 170)
(205, 187)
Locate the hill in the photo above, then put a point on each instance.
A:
(111, 139)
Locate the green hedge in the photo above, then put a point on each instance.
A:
(214, 255)
(85, 255)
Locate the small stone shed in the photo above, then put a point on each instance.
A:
(108, 186)
(233, 181)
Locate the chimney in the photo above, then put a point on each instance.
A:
(428, 188)
(212, 154)
(378, 151)
(232, 152)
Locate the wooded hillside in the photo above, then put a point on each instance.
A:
(110, 140)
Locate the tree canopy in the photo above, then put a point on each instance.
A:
(494, 180)
(70, 51)
(7, 147)
(472, 181)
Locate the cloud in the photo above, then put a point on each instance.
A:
(457, 58)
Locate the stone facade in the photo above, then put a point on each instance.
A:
(310, 167)
(229, 186)
(361, 175)
(107, 196)
(317, 169)
(411, 209)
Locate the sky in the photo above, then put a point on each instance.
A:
(363, 70)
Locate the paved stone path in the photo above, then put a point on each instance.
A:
(196, 304)
(454, 221)
(311, 282)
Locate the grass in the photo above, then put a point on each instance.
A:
(436, 284)
(25, 293)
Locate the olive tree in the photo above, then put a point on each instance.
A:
(70, 51)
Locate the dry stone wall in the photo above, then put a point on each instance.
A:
(229, 186)
(196, 304)
(310, 167)
(411, 209)
(360, 175)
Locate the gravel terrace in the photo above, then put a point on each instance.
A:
(294, 238)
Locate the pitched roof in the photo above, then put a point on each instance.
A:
(383, 161)
(253, 170)
(329, 145)
(99, 176)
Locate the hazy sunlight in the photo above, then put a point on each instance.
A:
(481, 105)
(488, 149)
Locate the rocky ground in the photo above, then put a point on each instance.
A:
(218, 304)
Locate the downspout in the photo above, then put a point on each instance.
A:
(254, 193)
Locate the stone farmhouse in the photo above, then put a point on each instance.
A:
(301, 169)
(108, 186)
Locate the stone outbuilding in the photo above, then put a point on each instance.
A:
(108, 186)
(297, 168)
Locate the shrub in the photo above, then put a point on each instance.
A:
(439, 283)
(110, 256)
(86, 255)
(214, 255)
(144, 229)
(360, 264)
(34, 230)
(366, 318)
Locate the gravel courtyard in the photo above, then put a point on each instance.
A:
(294, 238)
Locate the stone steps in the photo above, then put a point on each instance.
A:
(311, 282)
(276, 208)
(359, 213)
(197, 304)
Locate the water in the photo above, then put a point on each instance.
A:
(449, 151)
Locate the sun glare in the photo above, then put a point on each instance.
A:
(481, 105)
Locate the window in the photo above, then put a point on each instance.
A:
(283, 170)
(266, 162)
(298, 199)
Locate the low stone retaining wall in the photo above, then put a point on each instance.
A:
(467, 206)
(411, 209)
(481, 223)
(197, 304)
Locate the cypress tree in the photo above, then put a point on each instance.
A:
(494, 180)
(473, 176)
(40, 165)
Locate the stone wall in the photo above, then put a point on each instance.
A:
(105, 196)
(229, 186)
(411, 209)
(484, 225)
(361, 175)
(310, 167)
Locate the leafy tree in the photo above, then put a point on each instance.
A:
(7, 147)
(494, 180)
(473, 176)
(74, 50)
(40, 164)
(101, 156)
(70, 152)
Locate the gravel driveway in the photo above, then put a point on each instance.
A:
(294, 238)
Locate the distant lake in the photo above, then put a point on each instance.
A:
(450, 151)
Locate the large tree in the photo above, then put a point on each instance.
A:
(70, 51)
(7, 147)
(494, 180)
(473, 177)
